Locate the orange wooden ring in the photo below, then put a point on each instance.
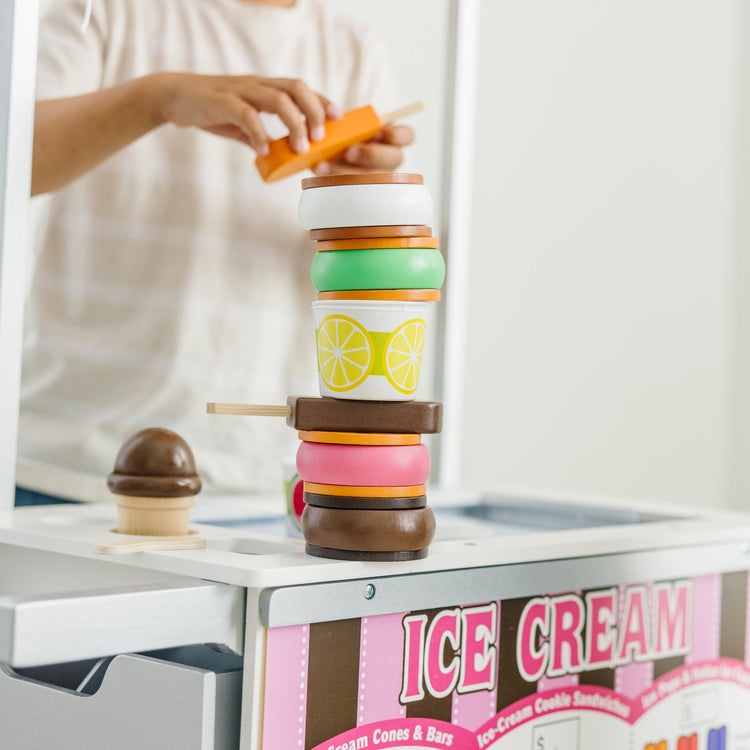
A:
(377, 243)
(390, 295)
(358, 438)
(374, 178)
(355, 233)
(341, 490)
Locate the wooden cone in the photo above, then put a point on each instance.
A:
(154, 516)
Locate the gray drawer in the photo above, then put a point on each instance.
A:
(139, 701)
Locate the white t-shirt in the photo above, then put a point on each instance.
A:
(171, 275)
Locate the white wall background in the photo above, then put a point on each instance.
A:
(603, 349)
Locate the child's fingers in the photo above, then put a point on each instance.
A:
(228, 131)
(397, 135)
(325, 168)
(309, 103)
(245, 117)
(372, 155)
(274, 100)
(332, 111)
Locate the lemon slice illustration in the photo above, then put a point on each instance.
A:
(403, 355)
(344, 352)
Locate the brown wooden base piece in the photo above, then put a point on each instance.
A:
(368, 530)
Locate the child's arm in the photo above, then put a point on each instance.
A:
(73, 135)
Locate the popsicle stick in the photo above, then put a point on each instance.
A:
(150, 544)
(255, 410)
(409, 109)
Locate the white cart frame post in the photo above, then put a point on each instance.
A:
(456, 230)
(18, 44)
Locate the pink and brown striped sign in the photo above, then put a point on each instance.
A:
(473, 675)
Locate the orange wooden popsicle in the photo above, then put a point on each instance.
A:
(355, 126)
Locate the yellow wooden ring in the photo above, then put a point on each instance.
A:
(376, 243)
(389, 295)
(344, 491)
(358, 438)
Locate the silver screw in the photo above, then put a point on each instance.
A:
(369, 591)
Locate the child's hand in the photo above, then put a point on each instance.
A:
(381, 154)
(230, 105)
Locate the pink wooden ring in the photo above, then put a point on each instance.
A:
(363, 465)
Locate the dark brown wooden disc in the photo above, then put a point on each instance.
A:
(365, 503)
(349, 415)
(368, 530)
(360, 556)
(366, 178)
(357, 233)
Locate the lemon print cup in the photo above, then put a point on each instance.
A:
(345, 352)
(402, 359)
(370, 350)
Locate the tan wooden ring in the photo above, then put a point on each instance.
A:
(374, 178)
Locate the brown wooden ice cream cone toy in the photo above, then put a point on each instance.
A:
(155, 482)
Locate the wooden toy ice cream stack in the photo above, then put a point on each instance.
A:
(377, 272)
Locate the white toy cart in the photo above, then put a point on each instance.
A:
(539, 623)
(533, 623)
